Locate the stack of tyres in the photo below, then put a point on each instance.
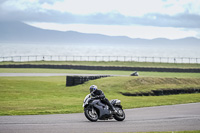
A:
(69, 81)
(76, 80)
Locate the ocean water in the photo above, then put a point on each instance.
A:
(146, 51)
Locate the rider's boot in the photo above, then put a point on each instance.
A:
(113, 110)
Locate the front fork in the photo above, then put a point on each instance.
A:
(93, 111)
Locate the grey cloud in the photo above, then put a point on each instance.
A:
(48, 1)
(184, 20)
(2, 1)
(44, 16)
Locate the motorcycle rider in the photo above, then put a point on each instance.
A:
(98, 94)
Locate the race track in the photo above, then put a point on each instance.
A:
(48, 74)
(162, 118)
(41, 74)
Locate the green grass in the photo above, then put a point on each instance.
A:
(111, 72)
(111, 63)
(49, 95)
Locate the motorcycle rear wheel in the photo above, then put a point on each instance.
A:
(92, 116)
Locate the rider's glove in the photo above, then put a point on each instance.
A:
(102, 97)
(96, 97)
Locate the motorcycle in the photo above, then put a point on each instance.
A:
(94, 109)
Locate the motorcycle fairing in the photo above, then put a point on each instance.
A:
(104, 112)
(115, 102)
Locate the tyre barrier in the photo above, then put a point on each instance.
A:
(80, 67)
(164, 92)
(76, 80)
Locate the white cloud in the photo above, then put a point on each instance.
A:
(181, 6)
(154, 18)
(81, 6)
(126, 7)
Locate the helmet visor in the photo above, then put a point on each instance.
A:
(91, 90)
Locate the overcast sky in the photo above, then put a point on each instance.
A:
(148, 19)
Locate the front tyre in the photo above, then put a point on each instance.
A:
(120, 116)
(91, 114)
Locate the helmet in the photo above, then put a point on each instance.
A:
(93, 88)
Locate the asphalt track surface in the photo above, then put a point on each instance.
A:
(162, 118)
(183, 117)
(39, 74)
(47, 74)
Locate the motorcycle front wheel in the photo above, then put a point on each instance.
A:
(120, 116)
(91, 114)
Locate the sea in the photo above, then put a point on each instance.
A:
(169, 52)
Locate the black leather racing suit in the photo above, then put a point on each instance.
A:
(98, 94)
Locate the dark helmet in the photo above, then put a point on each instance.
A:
(93, 88)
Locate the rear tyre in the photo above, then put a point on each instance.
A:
(120, 116)
(91, 115)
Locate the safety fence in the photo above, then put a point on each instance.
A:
(100, 58)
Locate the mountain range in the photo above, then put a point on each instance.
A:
(18, 32)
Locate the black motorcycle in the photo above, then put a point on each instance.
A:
(94, 109)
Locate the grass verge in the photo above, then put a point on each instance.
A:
(48, 95)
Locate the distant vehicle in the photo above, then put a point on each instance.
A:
(94, 109)
(135, 74)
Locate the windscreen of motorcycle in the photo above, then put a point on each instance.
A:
(85, 101)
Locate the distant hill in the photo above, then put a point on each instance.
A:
(18, 32)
